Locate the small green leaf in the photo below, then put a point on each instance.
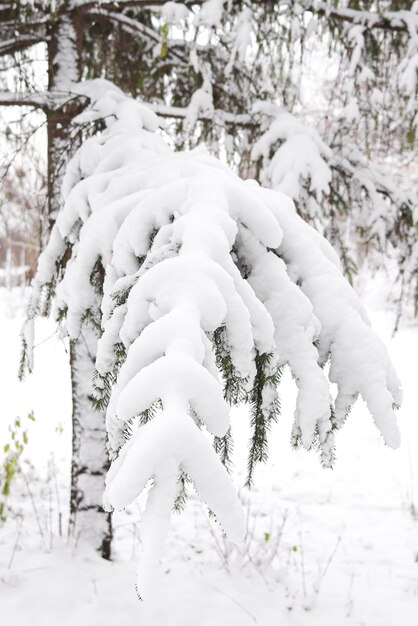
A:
(164, 46)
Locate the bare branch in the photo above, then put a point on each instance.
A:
(222, 117)
(118, 5)
(48, 101)
(38, 100)
(10, 46)
(19, 34)
(396, 21)
(134, 26)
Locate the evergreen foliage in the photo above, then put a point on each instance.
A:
(263, 414)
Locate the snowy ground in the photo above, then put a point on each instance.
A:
(323, 547)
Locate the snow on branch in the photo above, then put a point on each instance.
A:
(396, 21)
(385, 20)
(204, 286)
(292, 152)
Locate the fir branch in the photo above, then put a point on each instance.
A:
(263, 413)
(296, 436)
(103, 382)
(127, 428)
(47, 295)
(97, 277)
(325, 443)
(149, 414)
(182, 494)
(120, 296)
(24, 362)
(327, 447)
(234, 385)
(102, 386)
(92, 318)
(224, 447)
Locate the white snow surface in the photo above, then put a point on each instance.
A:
(323, 548)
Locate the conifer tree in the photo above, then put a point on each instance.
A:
(231, 75)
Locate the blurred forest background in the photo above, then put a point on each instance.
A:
(313, 98)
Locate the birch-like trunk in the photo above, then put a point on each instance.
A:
(63, 69)
(88, 521)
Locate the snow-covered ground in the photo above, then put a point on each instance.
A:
(323, 547)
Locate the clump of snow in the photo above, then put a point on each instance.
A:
(351, 111)
(242, 37)
(299, 154)
(175, 13)
(210, 13)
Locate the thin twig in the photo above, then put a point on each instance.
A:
(330, 558)
(302, 562)
(57, 496)
(41, 532)
(253, 617)
(16, 543)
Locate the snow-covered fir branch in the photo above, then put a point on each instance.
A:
(204, 286)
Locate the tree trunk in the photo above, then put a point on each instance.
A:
(88, 520)
(63, 69)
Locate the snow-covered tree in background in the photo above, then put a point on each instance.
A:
(202, 286)
(239, 76)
